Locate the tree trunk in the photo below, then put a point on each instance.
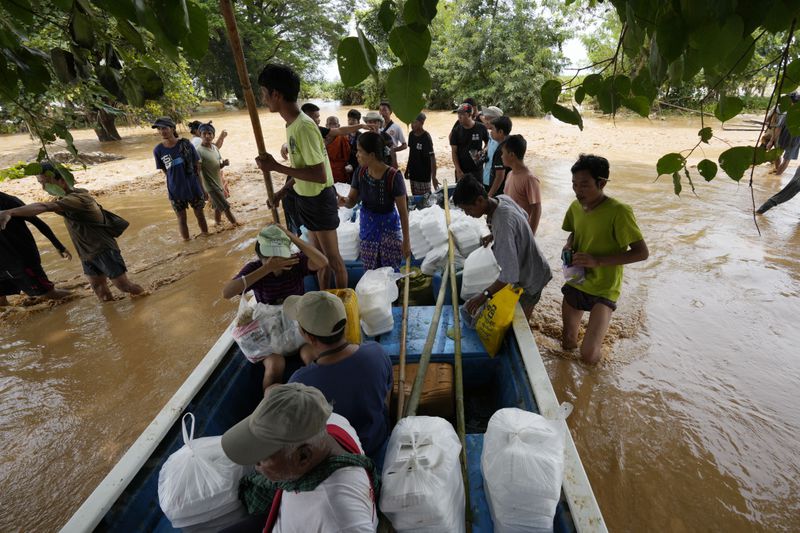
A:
(105, 128)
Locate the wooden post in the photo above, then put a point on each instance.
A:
(457, 361)
(425, 356)
(226, 7)
(401, 387)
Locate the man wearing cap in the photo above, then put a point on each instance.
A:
(468, 140)
(487, 115)
(356, 379)
(275, 275)
(421, 169)
(311, 177)
(374, 120)
(178, 160)
(324, 482)
(85, 221)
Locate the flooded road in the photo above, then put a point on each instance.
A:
(688, 424)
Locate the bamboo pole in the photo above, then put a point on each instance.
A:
(226, 7)
(401, 387)
(457, 360)
(425, 356)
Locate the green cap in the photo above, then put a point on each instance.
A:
(318, 312)
(273, 242)
(290, 414)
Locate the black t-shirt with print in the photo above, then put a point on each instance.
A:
(497, 164)
(420, 148)
(469, 139)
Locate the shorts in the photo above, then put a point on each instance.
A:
(528, 300)
(182, 205)
(108, 263)
(320, 212)
(419, 188)
(218, 200)
(583, 301)
(28, 279)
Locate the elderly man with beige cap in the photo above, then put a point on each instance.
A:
(356, 379)
(312, 457)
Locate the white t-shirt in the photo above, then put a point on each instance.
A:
(340, 504)
(196, 141)
(396, 133)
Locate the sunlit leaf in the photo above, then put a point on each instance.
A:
(54, 189)
(670, 163)
(728, 107)
(410, 46)
(353, 62)
(570, 116)
(734, 161)
(707, 169)
(407, 86)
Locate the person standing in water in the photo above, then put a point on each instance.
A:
(211, 163)
(178, 159)
(603, 236)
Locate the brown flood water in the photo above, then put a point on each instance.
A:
(687, 425)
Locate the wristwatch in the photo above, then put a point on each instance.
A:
(487, 293)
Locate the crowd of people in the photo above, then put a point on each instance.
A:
(336, 404)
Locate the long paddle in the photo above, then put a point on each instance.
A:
(457, 362)
(401, 388)
(425, 356)
(226, 7)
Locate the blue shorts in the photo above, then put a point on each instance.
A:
(108, 263)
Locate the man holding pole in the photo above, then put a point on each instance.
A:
(312, 179)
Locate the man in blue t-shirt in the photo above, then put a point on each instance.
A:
(356, 380)
(179, 161)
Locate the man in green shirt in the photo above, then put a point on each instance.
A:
(312, 179)
(603, 237)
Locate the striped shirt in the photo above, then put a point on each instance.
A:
(272, 289)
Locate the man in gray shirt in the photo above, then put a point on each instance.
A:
(521, 262)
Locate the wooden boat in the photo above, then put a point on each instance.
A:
(225, 387)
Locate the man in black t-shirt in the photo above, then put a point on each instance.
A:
(499, 129)
(421, 169)
(467, 140)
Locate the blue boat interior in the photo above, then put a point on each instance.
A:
(234, 390)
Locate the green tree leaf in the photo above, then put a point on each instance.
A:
(676, 183)
(639, 104)
(642, 85)
(355, 63)
(728, 107)
(592, 84)
(195, 41)
(387, 15)
(54, 189)
(406, 87)
(670, 36)
(150, 82)
(705, 134)
(670, 163)
(20, 10)
(131, 35)
(410, 46)
(580, 94)
(63, 65)
(707, 169)
(550, 91)
(33, 169)
(419, 11)
(570, 116)
(734, 161)
(80, 28)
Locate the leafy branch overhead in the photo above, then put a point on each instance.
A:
(406, 26)
(85, 57)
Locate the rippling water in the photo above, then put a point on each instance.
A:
(689, 424)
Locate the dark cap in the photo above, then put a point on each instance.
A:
(464, 108)
(193, 125)
(164, 122)
(421, 117)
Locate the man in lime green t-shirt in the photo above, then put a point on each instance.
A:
(312, 179)
(603, 237)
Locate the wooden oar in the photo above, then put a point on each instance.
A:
(457, 362)
(425, 356)
(401, 388)
(226, 7)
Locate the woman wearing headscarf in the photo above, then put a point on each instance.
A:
(211, 163)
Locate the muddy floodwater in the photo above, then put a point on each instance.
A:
(688, 424)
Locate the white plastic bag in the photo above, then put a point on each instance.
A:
(376, 290)
(247, 332)
(422, 489)
(523, 469)
(480, 271)
(268, 331)
(198, 483)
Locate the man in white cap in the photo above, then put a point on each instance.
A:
(357, 380)
(312, 457)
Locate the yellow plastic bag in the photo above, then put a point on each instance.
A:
(352, 331)
(496, 318)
